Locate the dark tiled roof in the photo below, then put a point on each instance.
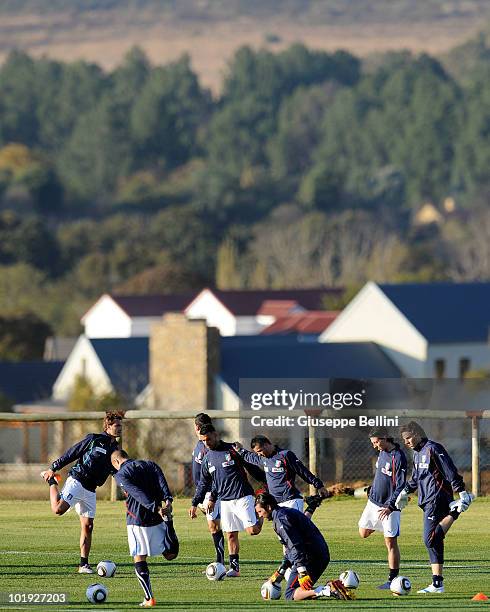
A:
(289, 357)
(125, 361)
(152, 305)
(28, 381)
(249, 303)
(445, 312)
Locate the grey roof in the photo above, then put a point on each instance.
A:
(445, 312)
(27, 381)
(289, 357)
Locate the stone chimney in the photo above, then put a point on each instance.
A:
(184, 360)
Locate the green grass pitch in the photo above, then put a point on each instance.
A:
(39, 553)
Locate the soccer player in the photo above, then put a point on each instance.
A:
(93, 457)
(306, 551)
(213, 517)
(281, 467)
(223, 473)
(381, 513)
(436, 477)
(148, 515)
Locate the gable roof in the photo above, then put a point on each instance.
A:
(126, 362)
(152, 305)
(444, 312)
(27, 381)
(289, 357)
(250, 302)
(311, 322)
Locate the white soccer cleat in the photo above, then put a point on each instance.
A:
(385, 586)
(85, 569)
(231, 573)
(432, 589)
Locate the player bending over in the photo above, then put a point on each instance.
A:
(213, 517)
(148, 516)
(436, 477)
(93, 466)
(306, 551)
(381, 513)
(223, 474)
(281, 466)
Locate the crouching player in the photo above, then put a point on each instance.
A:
(149, 522)
(306, 551)
(436, 477)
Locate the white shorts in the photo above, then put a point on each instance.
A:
(149, 541)
(215, 514)
(238, 514)
(390, 526)
(297, 504)
(79, 498)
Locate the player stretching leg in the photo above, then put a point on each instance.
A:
(148, 516)
(93, 456)
(223, 473)
(306, 551)
(436, 477)
(213, 517)
(380, 513)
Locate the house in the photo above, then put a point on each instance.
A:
(438, 330)
(27, 381)
(248, 312)
(109, 364)
(311, 323)
(125, 316)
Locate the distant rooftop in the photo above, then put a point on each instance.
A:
(27, 381)
(311, 322)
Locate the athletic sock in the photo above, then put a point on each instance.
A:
(234, 563)
(393, 574)
(219, 544)
(83, 561)
(143, 575)
(455, 514)
(437, 580)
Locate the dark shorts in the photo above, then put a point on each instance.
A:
(315, 568)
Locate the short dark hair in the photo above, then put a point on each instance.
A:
(207, 428)
(202, 419)
(259, 441)
(266, 499)
(120, 453)
(381, 432)
(413, 428)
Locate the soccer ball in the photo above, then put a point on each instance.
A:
(96, 593)
(400, 585)
(350, 579)
(106, 568)
(215, 571)
(270, 590)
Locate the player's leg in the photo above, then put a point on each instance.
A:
(393, 560)
(85, 506)
(58, 505)
(216, 532)
(143, 575)
(434, 542)
(170, 543)
(365, 533)
(369, 521)
(86, 529)
(234, 554)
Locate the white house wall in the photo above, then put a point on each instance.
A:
(372, 317)
(207, 306)
(248, 326)
(478, 354)
(107, 320)
(83, 360)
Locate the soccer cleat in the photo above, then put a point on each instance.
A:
(385, 586)
(148, 603)
(231, 573)
(85, 569)
(432, 589)
(54, 480)
(339, 591)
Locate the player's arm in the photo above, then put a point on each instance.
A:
(72, 454)
(410, 486)
(251, 462)
(450, 471)
(165, 494)
(303, 472)
(399, 480)
(248, 456)
(204, 485)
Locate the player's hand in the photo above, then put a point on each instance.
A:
(210, 506)
(276, 577)
(384, 513)
(305, 582)
(465, 499)
(237, 446)
(47, 475)
(193, 512)
(324, 492)
(402, 500)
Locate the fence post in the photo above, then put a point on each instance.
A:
(475, 454)
(116, 493)
(312, 449)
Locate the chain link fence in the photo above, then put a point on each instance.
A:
(29, 446)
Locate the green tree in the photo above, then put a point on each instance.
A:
(22, 337)
(227, 266)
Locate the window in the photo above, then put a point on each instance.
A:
(439, 368)
(464, 366)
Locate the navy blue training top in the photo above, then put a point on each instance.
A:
(389, 479)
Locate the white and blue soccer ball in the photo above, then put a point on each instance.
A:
(215, 571)
(400, 585)
(96, 593)
(270, 590)
(107, 569)
(350, 579)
